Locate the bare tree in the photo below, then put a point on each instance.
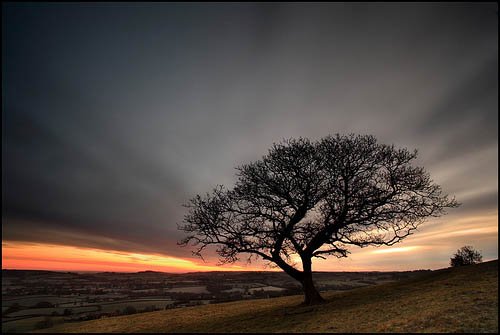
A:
(466, 255)
(313, 199)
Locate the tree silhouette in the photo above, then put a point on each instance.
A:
(466, 255)
(313, 199)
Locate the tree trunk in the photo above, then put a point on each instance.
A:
(311, 294)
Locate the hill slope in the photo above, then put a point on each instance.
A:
(448, 300)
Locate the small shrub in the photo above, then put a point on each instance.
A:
(466, 255)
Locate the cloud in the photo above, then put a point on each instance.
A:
(467, 118)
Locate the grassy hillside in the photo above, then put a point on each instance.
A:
(448, 300)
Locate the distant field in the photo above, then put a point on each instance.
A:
(448, 300)
(137, 304)
(32, 300)
(188, 289)
(73, 304)
(49, 311)
(21, 321)
(345, 282)
(266, 289)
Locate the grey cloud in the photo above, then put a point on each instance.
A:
(468, 118)
(61, 232)
(484, 202)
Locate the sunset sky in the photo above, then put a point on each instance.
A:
(115, 114)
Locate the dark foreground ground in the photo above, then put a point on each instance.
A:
(33, 299)
(448, 300)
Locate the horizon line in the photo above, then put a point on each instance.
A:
(228, 271)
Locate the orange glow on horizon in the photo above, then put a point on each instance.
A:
(37, 256)
(430, 248)
(392, 250)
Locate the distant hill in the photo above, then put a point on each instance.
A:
(448, 300)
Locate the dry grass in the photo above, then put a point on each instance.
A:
(449, 300)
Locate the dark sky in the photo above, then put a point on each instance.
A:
(115, 114)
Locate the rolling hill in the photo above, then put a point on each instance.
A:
(448, 300)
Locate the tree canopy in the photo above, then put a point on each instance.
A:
(466, 255)
(308, 199)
